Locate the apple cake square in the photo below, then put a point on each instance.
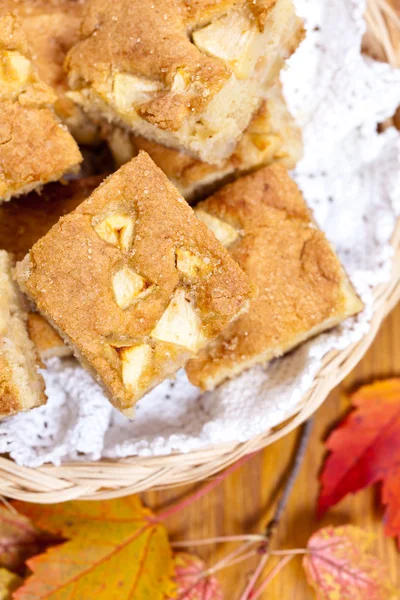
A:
(265, 223)
(188, 74)
(134, 282)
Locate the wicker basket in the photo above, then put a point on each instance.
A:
(111, 479)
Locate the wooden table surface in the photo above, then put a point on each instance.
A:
(244, 501)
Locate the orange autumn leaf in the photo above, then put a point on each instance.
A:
(19, 540)
(190, 585)
(114, 550)
(365, 449)
(339, 567)
(8, 583)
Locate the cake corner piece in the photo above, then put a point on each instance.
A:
(265, 223)
(134, 282)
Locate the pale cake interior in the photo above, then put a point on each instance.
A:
(47, 341)
(272, 136)
(21, 385)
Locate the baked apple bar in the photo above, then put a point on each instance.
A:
(52, 28)
(188, 74)
(263, 220)
(34, 146)
(272, 136)
(134, 282)
(21, 385)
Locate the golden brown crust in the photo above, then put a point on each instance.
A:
(34, 146)
(303, 287)
(158, 69)
(21, 386)
(109, 274)
(28, 218)
(51, 29)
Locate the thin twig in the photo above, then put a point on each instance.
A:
(290, 481)
(273, 523)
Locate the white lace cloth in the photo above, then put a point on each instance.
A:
(350, 176)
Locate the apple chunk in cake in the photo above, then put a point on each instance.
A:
(134, 282)
(272, 136)
(264, 222)
(34, 146)
(21, 386)
(187, 74)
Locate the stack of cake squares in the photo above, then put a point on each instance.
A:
(117, 268)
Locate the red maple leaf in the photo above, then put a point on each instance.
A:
(365, 449)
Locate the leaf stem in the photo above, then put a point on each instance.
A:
(293, 552)
(219, 540)
(253, 579)
(234, 557)
(277, 568)
(205, 489)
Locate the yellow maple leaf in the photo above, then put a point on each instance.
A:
(8, 583)
(114, 550)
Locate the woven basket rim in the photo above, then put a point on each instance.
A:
(115, 478)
